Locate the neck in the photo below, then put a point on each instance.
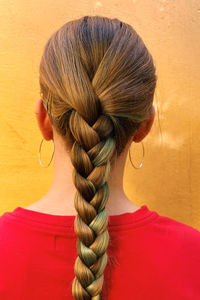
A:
(60, 197)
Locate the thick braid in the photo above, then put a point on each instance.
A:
(90, 156)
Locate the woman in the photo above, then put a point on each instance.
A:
(85, 239)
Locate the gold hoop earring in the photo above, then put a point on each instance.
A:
(40, 155)
(142, 158)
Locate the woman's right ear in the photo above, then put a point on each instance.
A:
(43, 120)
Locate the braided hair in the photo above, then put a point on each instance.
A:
(97, 81)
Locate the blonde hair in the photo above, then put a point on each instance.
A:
(97, 82)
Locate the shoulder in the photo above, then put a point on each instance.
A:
(4, 220)
(179, 235)
(13, 231)
(8, 241)
(7, 229)
(171, 225)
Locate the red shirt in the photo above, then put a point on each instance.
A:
(150, 257)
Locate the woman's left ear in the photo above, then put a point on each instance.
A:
(145, 127)
(43, 120)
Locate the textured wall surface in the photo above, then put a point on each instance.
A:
(169, 181)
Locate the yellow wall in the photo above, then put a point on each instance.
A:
(169, 180)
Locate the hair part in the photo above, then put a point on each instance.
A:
(97, 81)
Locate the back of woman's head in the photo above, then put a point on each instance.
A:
(97, 82)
